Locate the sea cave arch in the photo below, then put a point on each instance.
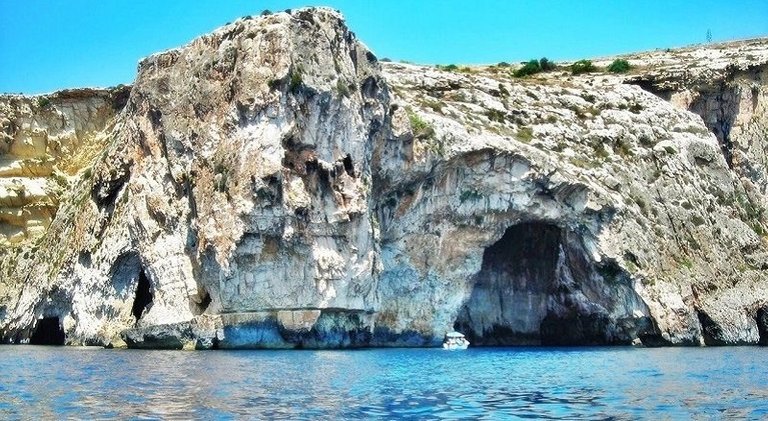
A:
(129, 277)
(48, 331)
(538, 286)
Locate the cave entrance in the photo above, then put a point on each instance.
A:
(199, 303)
(48, 331)
(129, 278)
(143, 296)
(538, 285)
(510, 294)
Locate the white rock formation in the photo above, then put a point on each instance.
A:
(273, 185)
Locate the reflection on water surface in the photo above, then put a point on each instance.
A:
(60, 382)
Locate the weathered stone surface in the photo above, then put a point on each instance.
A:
(328, 328)
(173, 336)
(44, 142)
(272, 185)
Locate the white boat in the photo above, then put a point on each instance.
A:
(455, 340)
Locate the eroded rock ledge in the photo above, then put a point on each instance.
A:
(273, 185)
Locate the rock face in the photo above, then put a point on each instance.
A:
(273, 185)
(44, 141)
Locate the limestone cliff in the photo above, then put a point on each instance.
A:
(44, 142)
(272, 184)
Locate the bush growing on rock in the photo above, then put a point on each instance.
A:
(530, 68)
(546, 65)
(420, 128)
(274, 84)
(495, 115)
(582, 66)
(296, 81)
(525, 134)
(619, 66)
(341, 88)
(535, 66)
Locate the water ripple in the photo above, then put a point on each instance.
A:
(535, 383)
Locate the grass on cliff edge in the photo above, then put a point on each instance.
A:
(420, 128)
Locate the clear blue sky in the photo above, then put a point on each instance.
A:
(47, 45)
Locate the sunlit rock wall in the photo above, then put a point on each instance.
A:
(44, 141)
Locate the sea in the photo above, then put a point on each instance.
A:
(479, 383)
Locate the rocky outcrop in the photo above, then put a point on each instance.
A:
(273, 185)
(44, 142)
(645, 221)
(310, 329)
(724, 84)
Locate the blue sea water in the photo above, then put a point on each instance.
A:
(492, 383)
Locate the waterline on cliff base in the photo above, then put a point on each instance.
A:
(591, 383)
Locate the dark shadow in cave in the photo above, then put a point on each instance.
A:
(48, 331)
(511, 291)
(762, 324)
(349, 167)
(143, 297)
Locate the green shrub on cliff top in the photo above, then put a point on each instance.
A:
(582, 66)
(43, 102)
(619, 66)
(535, 66)
(449, 68)
(546, 65)
(530, 68)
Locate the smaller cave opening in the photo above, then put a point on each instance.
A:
(710, 330)
(155, 117)
(143, 297)
(370, 87)
(762, 325)
(129, 278)
(349, 167)
(107, 187)
(48, 331)
(206, 301)
(755, 91)
(200, 302)
(311, 166)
